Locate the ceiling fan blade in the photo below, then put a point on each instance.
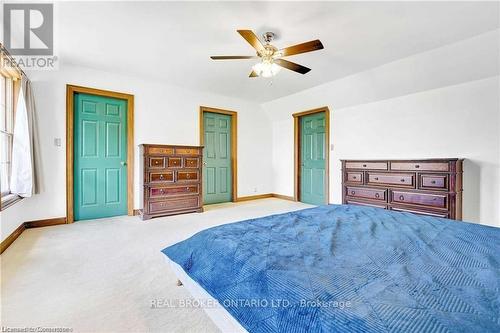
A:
(253, 74)
(301, 48)
(292, 66)
(252, 39)
(232, 57)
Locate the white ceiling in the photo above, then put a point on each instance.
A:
(172, 41)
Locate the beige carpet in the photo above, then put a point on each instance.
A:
(103, 275)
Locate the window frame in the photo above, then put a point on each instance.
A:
(10, 102)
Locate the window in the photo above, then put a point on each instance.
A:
(6, 137)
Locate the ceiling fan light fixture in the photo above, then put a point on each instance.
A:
(266, 69)
(271, 56)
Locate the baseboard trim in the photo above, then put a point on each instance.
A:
(62, 220)
(264, 196)
(11, 238)
(28, 225)
(254, 197)
(284, 197)
(45, 222)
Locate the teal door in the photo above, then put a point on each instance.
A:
(100, 155)
(217, 158)
(313, 159)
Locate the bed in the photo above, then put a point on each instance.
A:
(345, 268)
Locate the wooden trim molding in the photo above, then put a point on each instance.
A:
(70, 92)
(28, 225)
(284, 197)
(11, 238)
(44, 223)
(255, 197)
(264, 196)
(62, 220)
(234, 144)
(296, 148)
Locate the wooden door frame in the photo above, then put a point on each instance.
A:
(296, 148)
(234, 144)
(70, 119)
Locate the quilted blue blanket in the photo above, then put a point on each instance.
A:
(343, 268)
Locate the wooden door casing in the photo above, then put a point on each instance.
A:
(100, 157)
(313, 158)
(297, 151)
(217, 171)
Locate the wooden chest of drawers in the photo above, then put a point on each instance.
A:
(428, 187)
(171, 180)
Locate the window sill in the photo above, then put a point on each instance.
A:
(9, 200)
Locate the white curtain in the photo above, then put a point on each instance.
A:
(24, 174)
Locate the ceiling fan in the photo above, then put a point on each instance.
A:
(271, 57)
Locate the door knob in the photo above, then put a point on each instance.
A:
(123, 163)
(204, 163)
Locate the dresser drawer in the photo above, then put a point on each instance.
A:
(173, 204)
(366, 165)
(156, 162)
(395, 179)
(187, 176)
(361, 203)
(174, 162)
(422, 166)
(354, 177)
(160, 151)
(164, 176)
(366, 193)
(157, 191)
(187, 151)
(191, 162)
(423, 199)
(421, 212)
(433, 182)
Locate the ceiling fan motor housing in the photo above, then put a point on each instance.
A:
(269, 37)
(268, 52)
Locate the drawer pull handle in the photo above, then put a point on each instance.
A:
(376, 178)
(353, 177)
(433, 182)
(187, 188)
(188, 176)
(364, 165)
(353, 193)
(402, 180)
(401, 197)
(161, 191)
(377, 195)
(417, 166)
(161, 177)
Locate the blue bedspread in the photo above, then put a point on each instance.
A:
(343, 268)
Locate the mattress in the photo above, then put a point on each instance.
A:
(217, 313)
(349, 269)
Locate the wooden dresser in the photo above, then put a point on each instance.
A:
(428, 187)
(171, 180)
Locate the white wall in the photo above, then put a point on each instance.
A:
(163, 114)
(441, 103)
